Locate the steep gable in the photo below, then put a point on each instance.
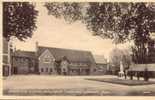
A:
(45, 54)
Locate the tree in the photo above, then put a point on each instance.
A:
(124, 22)
(127, 58)
(70, 11)
(115, 58)
(120, 22)
(19, 20)
(117, 55)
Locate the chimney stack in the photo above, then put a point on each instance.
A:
(37, 46)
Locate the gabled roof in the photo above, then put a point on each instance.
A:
(72, 55)
(28, 54)
(100, 59)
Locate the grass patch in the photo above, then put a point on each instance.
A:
(122, 81)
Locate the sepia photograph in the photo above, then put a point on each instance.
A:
(78, 48)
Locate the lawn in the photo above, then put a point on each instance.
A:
(123, 81)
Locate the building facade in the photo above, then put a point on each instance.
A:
(64, 61)
(24, 62)
(46, 63)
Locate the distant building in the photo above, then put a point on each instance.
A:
(101, 64)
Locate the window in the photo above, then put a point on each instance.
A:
(5, 59)
(72, 70)
(24, 59)
(51, 70)
(64, 69)
(42, 70)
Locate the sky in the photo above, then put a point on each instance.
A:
(54, 32)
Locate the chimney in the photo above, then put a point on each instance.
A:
(36, 47)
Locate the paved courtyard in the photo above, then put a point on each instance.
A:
(73, 85)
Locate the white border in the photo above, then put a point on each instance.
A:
(67, 97)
